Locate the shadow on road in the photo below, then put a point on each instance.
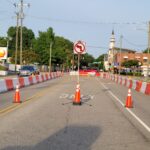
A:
(69, 138)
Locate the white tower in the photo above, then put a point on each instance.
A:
(112, 41)
(111, 51)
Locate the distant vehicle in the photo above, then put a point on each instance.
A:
(28, 70)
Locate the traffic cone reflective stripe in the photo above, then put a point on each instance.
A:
(129, 103)
(77, 99)
(17, 95)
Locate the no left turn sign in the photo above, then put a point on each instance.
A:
(79, 47)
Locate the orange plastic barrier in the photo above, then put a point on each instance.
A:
(46, 76)
(130, 85)
(9, 84)
(147, 91)
(138, 86)
(30, 79)
(21, 82)
(37, 78)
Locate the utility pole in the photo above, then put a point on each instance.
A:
(121, 37)
(148, 61)
(21, 17)
(21, 23)
(16, 52)
(50, 56)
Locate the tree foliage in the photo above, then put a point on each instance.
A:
(41, 45)
(86, 60)
(27, 36)
(3, 42)
(100, 58)
(38, 49)
(61, 48)
(146, 51)
(28, 57)
(130, 63)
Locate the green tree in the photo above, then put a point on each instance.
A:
(146, 51)
(100, 61)
(86, 60)
(100, 58)
(29, 57)
(3, 42)
(62, 52)
(61, 49)
(28, 37)
(41, 45)
(130, 63)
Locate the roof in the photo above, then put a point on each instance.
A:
(124, 49)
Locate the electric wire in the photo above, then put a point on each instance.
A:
(83, 22)
(131, 43)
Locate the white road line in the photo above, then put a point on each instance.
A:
(136, 117)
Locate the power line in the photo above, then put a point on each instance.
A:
(137, 45)
(84, 22)
(97, 47)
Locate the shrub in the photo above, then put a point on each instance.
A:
(3, 68)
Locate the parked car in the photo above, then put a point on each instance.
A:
(28, 70)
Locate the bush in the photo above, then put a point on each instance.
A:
(3, 68)
(138, 74)
(129, 73)
(123, 73)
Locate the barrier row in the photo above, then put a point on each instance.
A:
(84, 73)
(137, 85)
(10, 84)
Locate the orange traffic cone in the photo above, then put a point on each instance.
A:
(17, 95)
(77, 96)
(129, 103)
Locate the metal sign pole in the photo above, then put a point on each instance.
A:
(78, 77)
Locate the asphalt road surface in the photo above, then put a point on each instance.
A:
(47, 120)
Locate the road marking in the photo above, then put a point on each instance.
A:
(8, 108)
(13, 107)
(71, 96)
(133, 114)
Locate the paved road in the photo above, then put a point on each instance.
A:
(49, 121)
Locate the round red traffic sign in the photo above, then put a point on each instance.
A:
(79, 47)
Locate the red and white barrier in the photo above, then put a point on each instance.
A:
(134, 84)
(10, 84)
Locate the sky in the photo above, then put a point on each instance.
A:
(91, 21)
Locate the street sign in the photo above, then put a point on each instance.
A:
(79, 47)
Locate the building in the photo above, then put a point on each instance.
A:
(116, 56)
(125, 56)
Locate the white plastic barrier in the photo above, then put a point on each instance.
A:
(3, 86)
